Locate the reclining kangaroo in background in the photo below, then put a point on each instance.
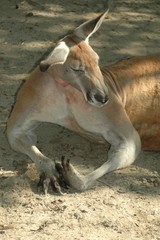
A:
(113, 104)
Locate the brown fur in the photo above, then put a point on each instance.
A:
(107, 105)
(139, 79)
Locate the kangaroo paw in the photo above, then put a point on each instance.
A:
(48, 176)
(70, 175)
(45, 182)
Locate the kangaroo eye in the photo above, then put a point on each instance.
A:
(77, 69)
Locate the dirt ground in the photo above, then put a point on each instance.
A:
(122, 205)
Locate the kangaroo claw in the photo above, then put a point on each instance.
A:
(45, 182)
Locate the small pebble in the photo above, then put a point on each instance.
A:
(30, 14)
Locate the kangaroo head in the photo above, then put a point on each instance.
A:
(75, 62)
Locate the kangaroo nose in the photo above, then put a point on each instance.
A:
(100, 98)
(97, 99)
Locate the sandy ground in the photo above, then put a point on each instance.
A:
(122, 205)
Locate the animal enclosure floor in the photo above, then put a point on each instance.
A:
(121, 205)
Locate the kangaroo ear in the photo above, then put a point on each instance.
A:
(86, 29)
(57, 56)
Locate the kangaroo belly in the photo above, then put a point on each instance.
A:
(150, 136)
(151, 143)
(146, 121)
(145, 117)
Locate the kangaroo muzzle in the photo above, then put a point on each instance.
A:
(97, 98)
